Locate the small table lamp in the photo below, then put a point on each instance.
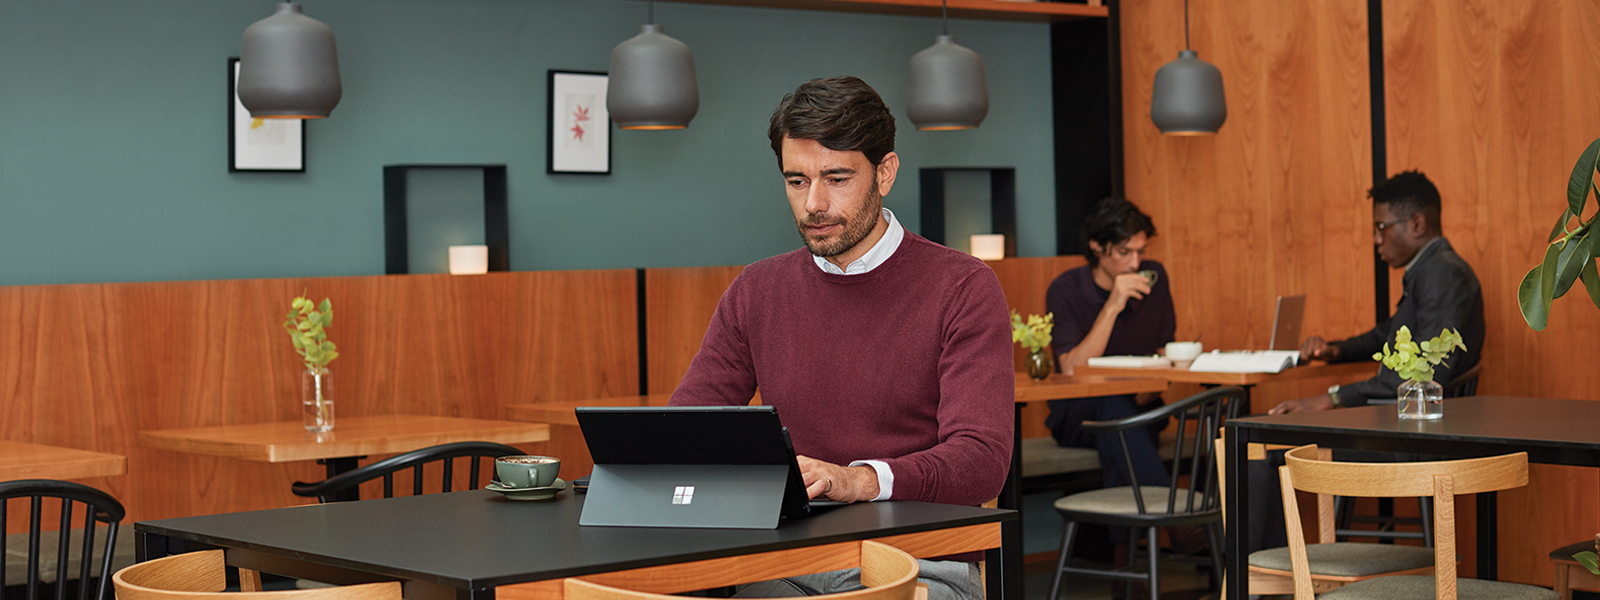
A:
(989, 246)
(469, 260)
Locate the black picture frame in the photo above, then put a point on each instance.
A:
(244, 155)
(561, 157)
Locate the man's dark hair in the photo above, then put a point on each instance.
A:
(1113, 221)
(1409, 193)
(842, 114)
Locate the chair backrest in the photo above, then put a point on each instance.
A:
(1464, 383)
(1199, 419)
(203, 575)
(887, 572)
(98, 507)
(1309, 469)
(445, 454)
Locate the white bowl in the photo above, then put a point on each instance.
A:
(1183, 351)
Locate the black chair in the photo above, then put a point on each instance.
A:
(98, 507)
(1148, 508)
(330, 489)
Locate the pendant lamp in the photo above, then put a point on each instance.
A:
(651, 84)
(947, 89)
(1187, 97)
(288, 67)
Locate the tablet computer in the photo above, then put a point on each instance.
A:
(690, 466)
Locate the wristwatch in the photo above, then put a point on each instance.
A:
(1333, 392)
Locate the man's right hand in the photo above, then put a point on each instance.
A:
(1314, 403)
(1131, 285)
(1316, 348)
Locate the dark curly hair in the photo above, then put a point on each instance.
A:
(1113, 221)
(1407, 194)
(843, 114)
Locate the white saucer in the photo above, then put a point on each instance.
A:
(538, 493)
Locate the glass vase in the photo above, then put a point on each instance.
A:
(1420, 400)
(316, 400)
(1040, 364)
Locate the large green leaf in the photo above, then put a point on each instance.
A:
(1576, 253)
(1589, 560)
(1582, 178)
(1561, 225)
(1591, 282)
(1534, 293)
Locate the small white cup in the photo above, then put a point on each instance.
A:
(1183, 353)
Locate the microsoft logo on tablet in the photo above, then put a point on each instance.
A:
(684, 494)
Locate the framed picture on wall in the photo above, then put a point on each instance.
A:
(261, 144)
(580, 127)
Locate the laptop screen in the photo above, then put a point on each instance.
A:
(1286, 323)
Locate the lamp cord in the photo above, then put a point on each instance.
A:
(944, 15)
(1185, 24)
(650, 14)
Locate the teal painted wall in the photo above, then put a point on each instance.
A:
(113, 157)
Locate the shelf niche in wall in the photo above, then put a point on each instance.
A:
(951, 221)
(396, 236)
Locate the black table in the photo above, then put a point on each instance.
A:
(475, 545)
(1558, 432)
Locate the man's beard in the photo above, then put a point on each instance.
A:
(856, 226)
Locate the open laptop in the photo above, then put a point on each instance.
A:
(1286, 323)
(690, 466)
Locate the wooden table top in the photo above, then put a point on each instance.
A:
(1081, 385)
(1352, 370)
(289, 441)
(21, 460)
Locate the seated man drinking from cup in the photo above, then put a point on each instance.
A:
(1110, 308)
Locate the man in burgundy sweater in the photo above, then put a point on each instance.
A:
(887, 356)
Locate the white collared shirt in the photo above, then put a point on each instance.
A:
(874, 258)
(880, 251)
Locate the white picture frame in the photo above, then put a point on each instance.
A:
(261, 144)
(579, 138)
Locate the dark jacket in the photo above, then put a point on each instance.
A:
(1440, 290)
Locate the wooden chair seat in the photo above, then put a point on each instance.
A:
(1418, 587)
(1347, 560)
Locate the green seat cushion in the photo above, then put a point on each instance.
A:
(1418, 587)
(1041, 456)
(1349, 559)
(1120, 501)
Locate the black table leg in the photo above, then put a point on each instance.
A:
(1005, 563)
(337, 466)
(1238, 515)
(1011, 494)
(1488, 536)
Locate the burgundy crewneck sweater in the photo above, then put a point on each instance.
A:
(909, 363)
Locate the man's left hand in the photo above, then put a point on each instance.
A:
(833, 482)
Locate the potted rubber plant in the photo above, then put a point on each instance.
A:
(1570, 255)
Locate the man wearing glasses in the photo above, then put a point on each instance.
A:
(1439, 291)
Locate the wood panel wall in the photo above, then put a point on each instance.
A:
(89, 366)
(679, 304)
(1492, 100)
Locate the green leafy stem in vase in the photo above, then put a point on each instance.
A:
(1415, 361)
(307, 324)
(1035, 333)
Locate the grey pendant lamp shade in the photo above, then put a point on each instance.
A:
(288, 67)
(652, 84)
(1187, 97)
(947, 89)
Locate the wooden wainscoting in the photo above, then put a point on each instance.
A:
(89, 366)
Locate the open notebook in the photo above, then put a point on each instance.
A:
(1265, 361)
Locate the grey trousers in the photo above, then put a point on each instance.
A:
(947, 580)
